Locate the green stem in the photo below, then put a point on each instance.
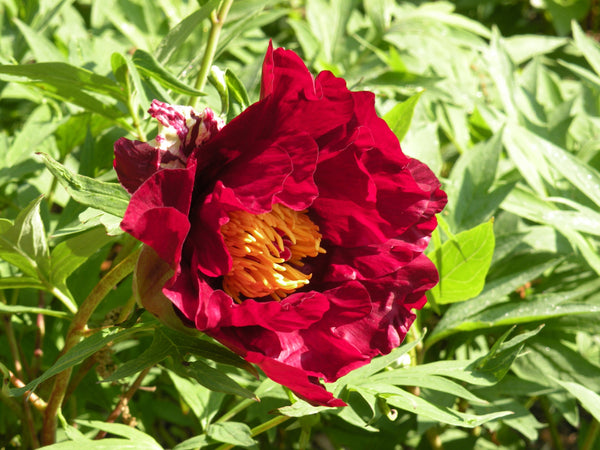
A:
(590, 437)
(64, 298)
(260, 429)
(76, 331)
(235, 410)
(557, 443)
(217, 19)
(134, 115)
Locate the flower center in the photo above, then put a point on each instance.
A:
(267, 251)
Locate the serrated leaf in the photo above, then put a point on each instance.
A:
(235, 433)
(463, 263)
(149, 66)
(108, 197)
(400, 116)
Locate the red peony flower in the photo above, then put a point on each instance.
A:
(295, 232)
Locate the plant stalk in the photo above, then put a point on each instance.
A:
(76, 331)
(217, 19)
(590, 437)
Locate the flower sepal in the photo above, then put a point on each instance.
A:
(150, 275)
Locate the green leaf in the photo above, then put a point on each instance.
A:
(403, 377)
(521, 48)
(588, 398)
(400, 116)
(193, 443)
(470, 201)
(37, 129)
(21, 283)
(465, 316)
(301, 408)
(203, 402)
(205, 349)
(406, 401)
(18, 309)
(377, 364)
(167, 342)
(158, 350)
(62, 75)
(124, 431)
(24, 244)
(149, 66)
(463, 263)
(234, 433)
(564, 13)
(501, 356)
(108, 197)
(67, 256)
(216, 380)
(581, 175)
(182, 31)
(76, 355)
(43, 50)
(103, 444)
(237, 89)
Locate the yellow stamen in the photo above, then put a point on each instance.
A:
(256, 242)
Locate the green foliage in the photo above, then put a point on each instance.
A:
(494, 96)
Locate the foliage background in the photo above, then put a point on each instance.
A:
(502, 99)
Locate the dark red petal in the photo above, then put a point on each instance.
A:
(296, 379)
(134, 162)
(299, 188)
(266, 82)
(158, 211)
(293, 313)
(372, 261)
(256, 180)
(346, 207)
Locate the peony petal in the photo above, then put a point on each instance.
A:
(296, 379)
(134, 162)
(158, 211)
(266, 81)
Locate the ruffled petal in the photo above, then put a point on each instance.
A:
(134, 163)
(158, 212)
(306, 387)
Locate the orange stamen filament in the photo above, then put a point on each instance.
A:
(256, 243)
